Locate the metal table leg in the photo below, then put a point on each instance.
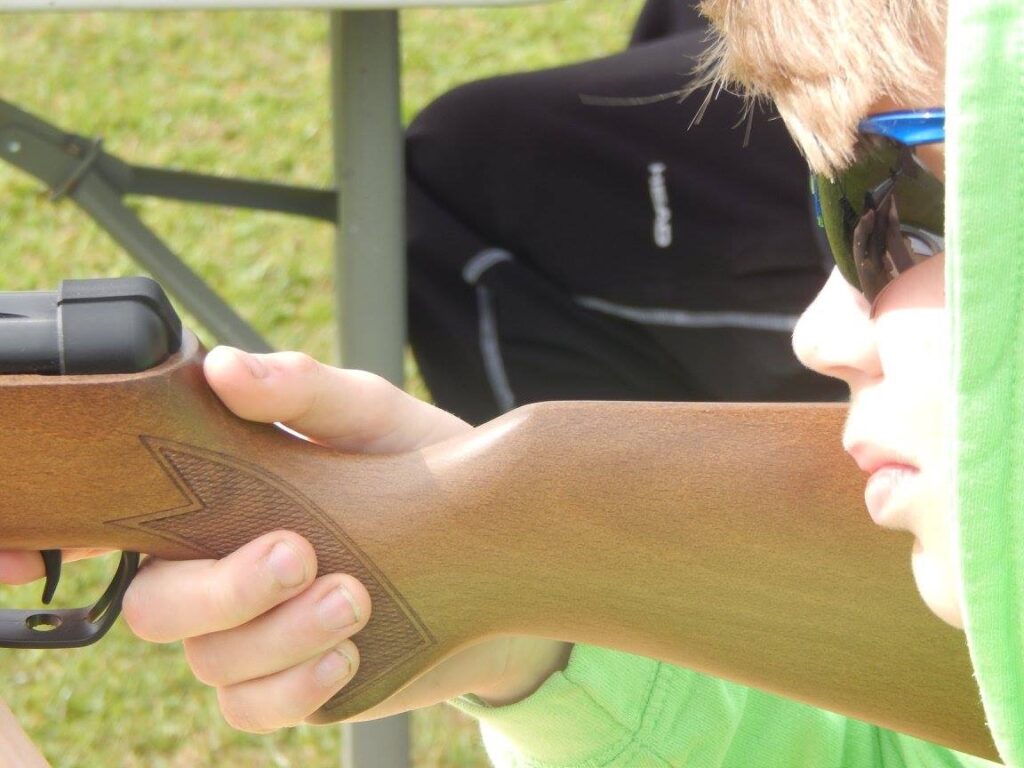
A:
(377, 744)
(369, 172)
(370, 253)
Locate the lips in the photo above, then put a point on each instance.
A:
(885, 489)
(892, 478)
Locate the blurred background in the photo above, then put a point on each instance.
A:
(242, 94)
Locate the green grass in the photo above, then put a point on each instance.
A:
(240, 94)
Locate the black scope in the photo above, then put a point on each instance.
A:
(106, 325)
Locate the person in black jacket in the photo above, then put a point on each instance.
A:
(575, 233)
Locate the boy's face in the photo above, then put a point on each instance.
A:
(895, 360)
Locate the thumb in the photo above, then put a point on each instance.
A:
(346, 409)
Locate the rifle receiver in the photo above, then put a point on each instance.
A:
(115, 325)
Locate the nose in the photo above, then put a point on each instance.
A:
(835, 335)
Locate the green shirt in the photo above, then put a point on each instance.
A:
(612, 710)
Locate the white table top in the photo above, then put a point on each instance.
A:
(183, 5)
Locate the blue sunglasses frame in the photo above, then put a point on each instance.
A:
(911, 128)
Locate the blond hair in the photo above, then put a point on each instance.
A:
(824, 63)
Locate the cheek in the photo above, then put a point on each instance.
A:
(913, 349)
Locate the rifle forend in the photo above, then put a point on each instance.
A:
(727, 538)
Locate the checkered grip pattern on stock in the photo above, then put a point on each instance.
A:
(231, 503)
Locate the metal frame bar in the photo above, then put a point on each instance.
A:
(368, 156)
(370, 254)
(79, 168)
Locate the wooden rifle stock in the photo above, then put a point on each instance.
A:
(730, 539)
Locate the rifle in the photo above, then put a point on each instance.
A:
(727, 538)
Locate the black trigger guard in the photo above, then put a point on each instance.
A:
(71, 627)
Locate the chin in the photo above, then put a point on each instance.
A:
(936, 581)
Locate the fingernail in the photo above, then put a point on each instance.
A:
(333, 668)
(254, 364)
(337, 610)
(286, 565)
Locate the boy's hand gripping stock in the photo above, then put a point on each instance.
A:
(727, 538)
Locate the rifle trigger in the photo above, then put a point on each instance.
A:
(52, 563)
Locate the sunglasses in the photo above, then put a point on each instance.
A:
(886, 212)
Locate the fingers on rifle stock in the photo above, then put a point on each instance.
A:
(288, 697)
(170, 601)
(347, 409)
(298, 630)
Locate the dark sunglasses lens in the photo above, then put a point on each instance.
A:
(882, 216)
